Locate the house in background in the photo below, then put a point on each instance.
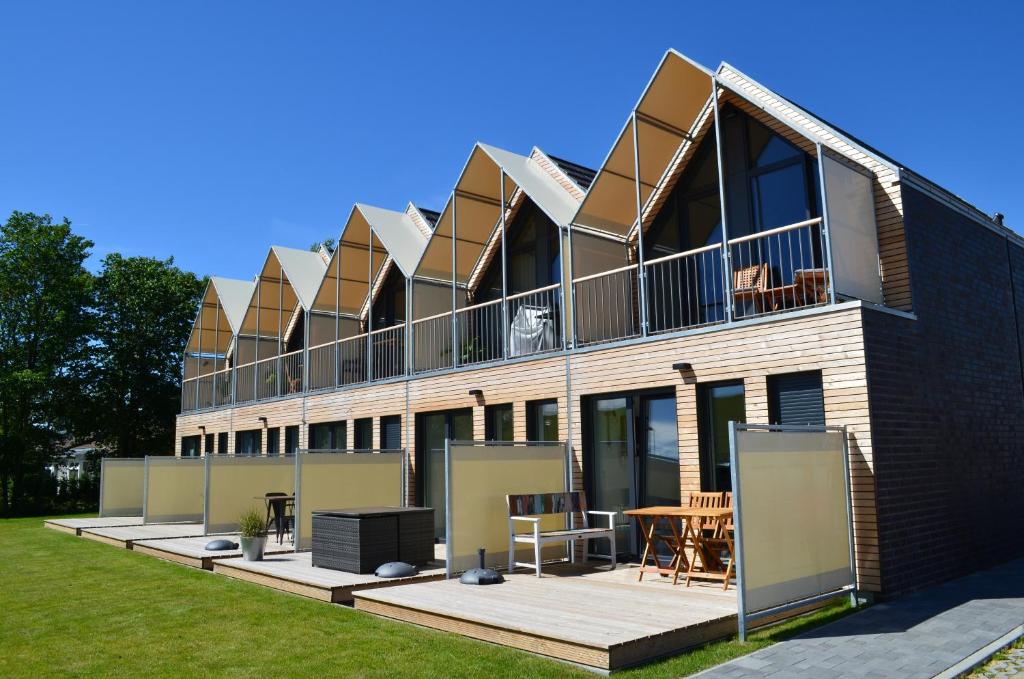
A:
(74, 463)
(734, 258)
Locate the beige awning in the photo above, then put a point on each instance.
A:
(475, 209)
(666, 115)
(220, 315)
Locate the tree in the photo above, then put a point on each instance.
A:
(327, 244)
(45, 294)
(145, 308)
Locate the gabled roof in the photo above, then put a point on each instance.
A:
(581, 175)
(234, 298)
(304, 270)
(227, 297)
(473, 212)
(398, 234)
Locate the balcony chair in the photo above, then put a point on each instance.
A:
(749, 284)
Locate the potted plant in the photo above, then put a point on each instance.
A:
(254, 535)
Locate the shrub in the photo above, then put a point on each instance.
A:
(251, 524)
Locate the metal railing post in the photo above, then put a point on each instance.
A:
(641, 270)
(727, 284)
(504, 271)
(825, 224)
(455, 331)
(369, 313)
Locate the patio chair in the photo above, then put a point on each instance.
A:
(280, 508)
(749, 284)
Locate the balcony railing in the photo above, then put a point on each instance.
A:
(749, 276)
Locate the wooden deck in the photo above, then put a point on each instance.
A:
(191, 551)
(598, 618)
(295, 573)
(76, 526)
(126, 536)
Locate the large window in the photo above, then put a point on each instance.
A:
(796, 398)
(249, 442)
(389, 305)
(363, 434)
(274, 441)
(190, 446)
(498, 422)
(769, 181)
(208, 444)
(291, 440)
(534, 259)
(328, 436)
(542, 420)
(222, 443)
(718, 404)
(391, 432)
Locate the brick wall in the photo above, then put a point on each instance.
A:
(947, 412)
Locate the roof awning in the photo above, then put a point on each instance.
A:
(474, 210)
(287, 282)
(220, 315)
(346, 284)
(666, 115)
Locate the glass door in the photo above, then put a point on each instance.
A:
(432, 429)
(633, 459)
(719, 404)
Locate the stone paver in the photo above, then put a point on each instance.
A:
(921, 635)
(1010, 667)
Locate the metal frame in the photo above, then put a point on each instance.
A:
(742, 617)
(448, 443)
(825, 223)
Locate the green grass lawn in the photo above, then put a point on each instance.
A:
(75, 607)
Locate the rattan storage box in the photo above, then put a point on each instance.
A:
(359, 540)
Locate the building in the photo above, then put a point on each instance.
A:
(837, 286)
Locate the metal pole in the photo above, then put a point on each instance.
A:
(199, 354)
(641, 270)
(825, 225)
(280, 326)
(741, 617)
(297, 520)
(448, 509)
(337, 313)
(849, 514)
(726, 254)
(256, 361)
(306, 323)
(369, 313)
(572, 294)
(408, 327)
(216, 351)
(455, 332)
(504, 272)
(561, 288)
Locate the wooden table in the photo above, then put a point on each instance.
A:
(691, 520)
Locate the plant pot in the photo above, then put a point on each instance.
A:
(252, 548)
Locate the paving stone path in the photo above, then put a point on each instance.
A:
(1010, 667)
(924, 635)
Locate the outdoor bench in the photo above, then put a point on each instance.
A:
(529, 508)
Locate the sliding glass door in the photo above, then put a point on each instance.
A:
(431, 431)
(631, 449)
(718, 404)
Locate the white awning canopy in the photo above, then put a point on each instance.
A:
(474, 210)
(668, 110)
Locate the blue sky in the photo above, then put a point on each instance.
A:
(208, 131)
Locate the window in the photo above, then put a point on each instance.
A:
(363, 434)
(190, 446)
(391, 432)
(718, 404)
(249, 442)
(274, 441)
(208, 444)
(498, 422)
(291, 440)
(796, 398)
(328, 436)
(542, 420)
(534, 260)
(222, 443)
(389, 305)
